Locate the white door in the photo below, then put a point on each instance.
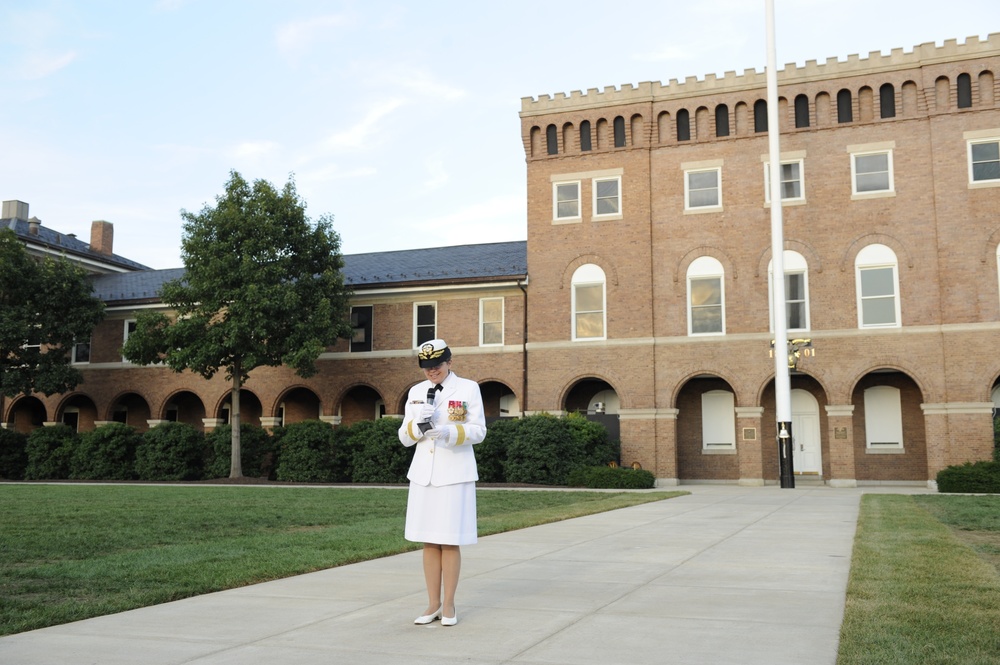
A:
(807, 457)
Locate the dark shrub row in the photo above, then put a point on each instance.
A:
(539, 449)
(970, 478)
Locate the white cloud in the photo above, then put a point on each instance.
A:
(255, 149)
(295, 38)
(361, 132)
(38, 65)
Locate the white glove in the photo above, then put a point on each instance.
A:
(426, 413)
(442, 436)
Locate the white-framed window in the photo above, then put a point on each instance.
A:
(877, 283)
(796, 291)
(792, 183)
(706, 297)
(490, 321)
(883, 418)
(871, 170)
(566, 201)
(361, 323)
(424, 322)
(703, 189)
(588, 294)
(128, 330)
(81, 353)
(984, 161)
(718, 420)
(607, 197)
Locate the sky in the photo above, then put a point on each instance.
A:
(397, 120)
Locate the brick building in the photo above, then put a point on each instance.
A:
(641, 295)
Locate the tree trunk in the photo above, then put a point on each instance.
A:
(236, 461)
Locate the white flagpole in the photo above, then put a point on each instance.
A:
(782, 386)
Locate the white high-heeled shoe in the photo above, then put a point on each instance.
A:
(449, 621)
(428, 618)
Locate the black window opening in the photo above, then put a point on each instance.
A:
(964, 91)
(801, 111)
(619, 132)
(361, 322)
(722, 120)
(585, 144)
(683, 125)
(760, 116)
(887, 101)
(426, 323)
(844, 111)
(551, 140)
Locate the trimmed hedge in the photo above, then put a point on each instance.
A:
(49, 451)
(605, 477)
(106, 453)
(971, 478)
(171, 451)
(257, 452)
(377, 455)
(13, 454)
(309, 453)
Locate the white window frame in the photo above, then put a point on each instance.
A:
(718, 421)
(869, 150)
(565, 219)
(705, 268)
(884, 432)
(594, 185)
(877, 257)
(73, 353)
(974, 141)
(714, 207)
(416, 325)
(128, 323)
(483, 322)
(589, 275)
(786, 200)
(794, 264)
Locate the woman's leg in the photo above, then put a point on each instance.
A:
(432, 577)
(451, 567)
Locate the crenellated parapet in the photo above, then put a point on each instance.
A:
(925, 54)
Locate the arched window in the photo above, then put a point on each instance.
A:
(796, 291)
(964, 83)
(619, 132)
(552, 140)
(801, 111)
(877, 286)
(585, 143)
(887, 101)
(760, 116)
(845, 112)
(683, 125)
(722, 120)
(706, 297)
(588, 293)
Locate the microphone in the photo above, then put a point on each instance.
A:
(426, 425)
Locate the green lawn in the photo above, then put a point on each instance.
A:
(69, 552)
(925, 583)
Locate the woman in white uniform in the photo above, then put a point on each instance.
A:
(444, 419)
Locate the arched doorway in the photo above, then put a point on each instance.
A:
(361, 403)
(26, 414)
(185, 407)
(499, 401)
(597, 400)
(79, 412)
(250, 409)
(297, 405)
(807, 457)
(132, 410)
(706, 430)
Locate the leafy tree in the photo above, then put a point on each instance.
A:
(45, 307)
(263, 287)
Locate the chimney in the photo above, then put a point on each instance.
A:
(33, 225)
(102, 236)
(15, 210)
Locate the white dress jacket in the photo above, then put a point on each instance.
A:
(458, 405)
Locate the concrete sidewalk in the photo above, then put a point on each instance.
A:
(729, 574)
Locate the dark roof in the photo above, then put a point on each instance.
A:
(67, 243)
(464, 263)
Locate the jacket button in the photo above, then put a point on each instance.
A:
(432, 451)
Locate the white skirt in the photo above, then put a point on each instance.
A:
(444, 515)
